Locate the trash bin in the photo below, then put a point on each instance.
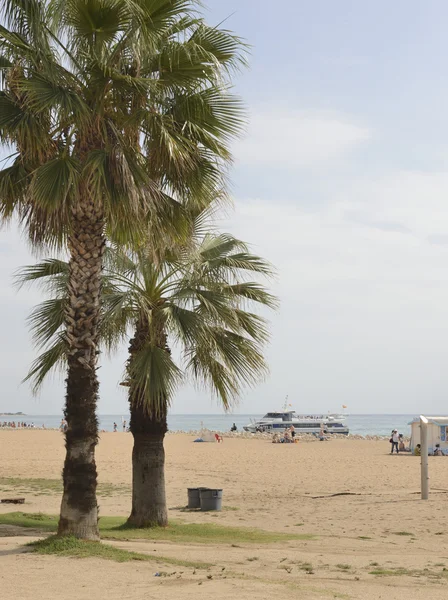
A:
(210, 499)
(193, 497)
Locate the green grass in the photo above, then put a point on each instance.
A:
(47, 487)
(343, 567)
(402, 533)
(364, 537)
(391, 572)
(72, 547)
(397, 571)
(115, 528)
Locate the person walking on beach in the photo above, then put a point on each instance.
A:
(394, 441)
(115, 428)
(124, 426)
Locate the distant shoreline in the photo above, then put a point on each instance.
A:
(16, 414)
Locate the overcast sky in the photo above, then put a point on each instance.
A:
(342, 182)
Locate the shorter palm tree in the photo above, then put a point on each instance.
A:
(190, 313)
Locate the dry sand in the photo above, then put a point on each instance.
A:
(286, 488)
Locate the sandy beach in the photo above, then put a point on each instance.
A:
(371, 535)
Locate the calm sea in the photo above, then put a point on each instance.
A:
(358, 424)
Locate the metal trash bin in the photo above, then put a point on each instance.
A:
(210, 499)
(194, 500)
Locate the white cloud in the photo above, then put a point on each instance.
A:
(415, 200)
(364, 317)
(291, 139)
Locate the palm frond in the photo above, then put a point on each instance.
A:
(54, 184)
(27, 17)
(253, 292)
(154, 377)
(44, 93)
(46, 319)
(240, 358)
(253, 325)
(47, 272)
(208, 371)
(50, 360)
(13, 186)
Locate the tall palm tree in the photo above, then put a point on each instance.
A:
(115, 110)
(195, 301)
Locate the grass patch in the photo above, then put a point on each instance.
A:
(364, 537)
(115, 528)
(71, 546)
(343, 567)
(397, 571)
(403, 533)
(48, 487)
(391, 572)
(252, 558)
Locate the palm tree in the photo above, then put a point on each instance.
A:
(195, 301)
(115, 110)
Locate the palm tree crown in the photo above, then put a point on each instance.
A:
(196, 301)
(123, 100)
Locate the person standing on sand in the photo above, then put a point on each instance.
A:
(124, 426)
(115, 427)
(394, 441)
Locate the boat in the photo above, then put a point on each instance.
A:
(278, 421)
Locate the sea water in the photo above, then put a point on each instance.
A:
(358, 424)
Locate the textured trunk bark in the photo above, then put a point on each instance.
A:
(148, 454)
(79, 509)
(148, 470)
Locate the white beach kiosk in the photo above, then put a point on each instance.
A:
(429, 432)
(437, 428)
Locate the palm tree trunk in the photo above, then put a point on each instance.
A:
(148, 469)
(79, 509)
(148, 455)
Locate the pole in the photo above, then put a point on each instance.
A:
(424, 456)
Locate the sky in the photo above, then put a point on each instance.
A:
(341, 181)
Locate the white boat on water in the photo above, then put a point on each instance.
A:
(278, 421)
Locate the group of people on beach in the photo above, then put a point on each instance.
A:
(18, 425)
(397, 442)
(398, 445)
(288, 436)
(437, 450)
(123, 426)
